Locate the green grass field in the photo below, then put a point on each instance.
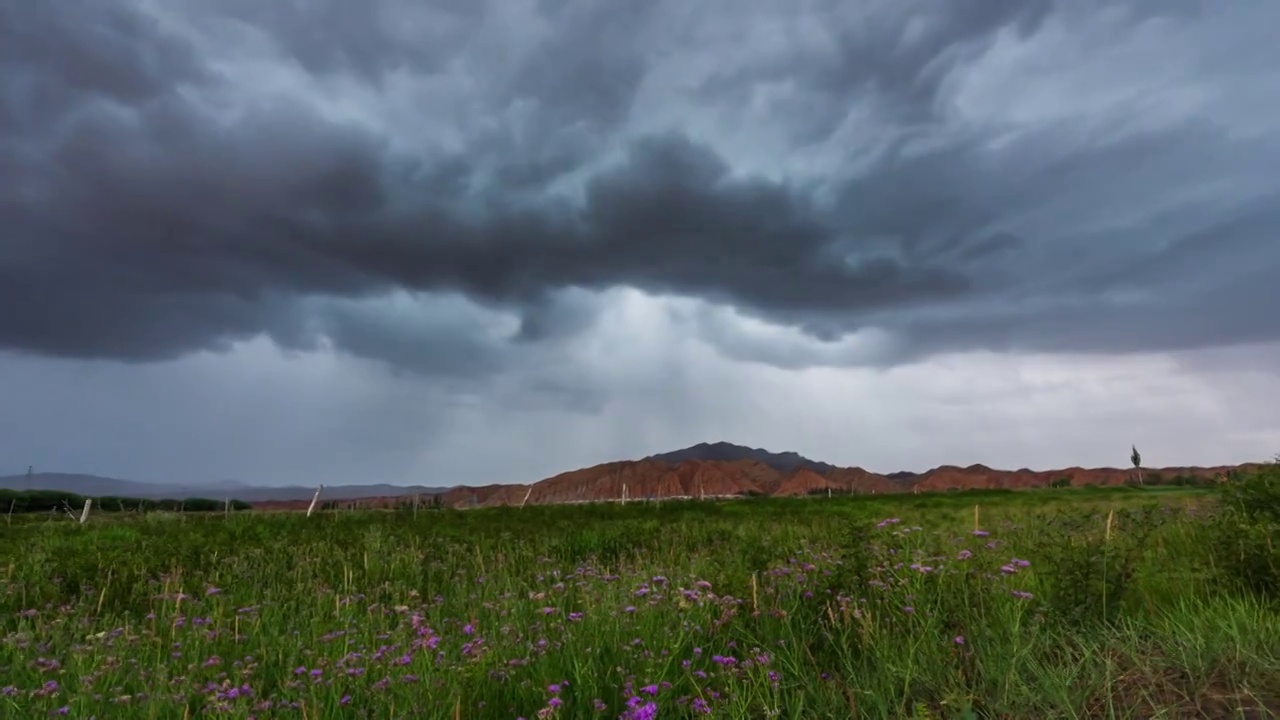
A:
(1076, 603)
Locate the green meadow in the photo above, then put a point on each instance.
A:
(1071, 603)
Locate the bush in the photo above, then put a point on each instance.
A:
(1244, 530)
(1095, 558)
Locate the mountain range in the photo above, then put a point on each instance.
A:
(97, 486)
(705, 470)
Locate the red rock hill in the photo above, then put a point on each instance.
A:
(660, 480)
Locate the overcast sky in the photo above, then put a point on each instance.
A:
(453, 241)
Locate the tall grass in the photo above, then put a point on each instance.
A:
(806, 608)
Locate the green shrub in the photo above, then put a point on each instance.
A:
(1245, 527)
(1095, 558)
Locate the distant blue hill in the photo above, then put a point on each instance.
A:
(97, 486)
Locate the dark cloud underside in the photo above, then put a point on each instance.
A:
(177, 181)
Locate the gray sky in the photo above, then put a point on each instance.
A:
(472, 242)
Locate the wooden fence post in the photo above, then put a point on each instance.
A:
(314, 499)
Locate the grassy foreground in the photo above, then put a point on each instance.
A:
(1044, 604)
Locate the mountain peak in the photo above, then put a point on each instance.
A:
(729, 452)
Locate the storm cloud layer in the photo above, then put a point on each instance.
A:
(448, 241)
(446, 186)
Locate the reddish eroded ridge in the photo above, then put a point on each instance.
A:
(655, 479)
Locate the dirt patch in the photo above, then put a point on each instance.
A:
(1148, 694)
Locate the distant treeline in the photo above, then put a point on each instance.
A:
(36, 501)
(1156, 478)
(1148, 480)
(404, 502)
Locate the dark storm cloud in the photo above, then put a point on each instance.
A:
(147, 215)
(366, 39)
(411, 339)
(1216, 285)
(560, 315)
(898, 56)
(54, 61)
(590, 73)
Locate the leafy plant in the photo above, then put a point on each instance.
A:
(1095, 558)
(1245, 528)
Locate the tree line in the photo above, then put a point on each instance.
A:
(37, 501)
